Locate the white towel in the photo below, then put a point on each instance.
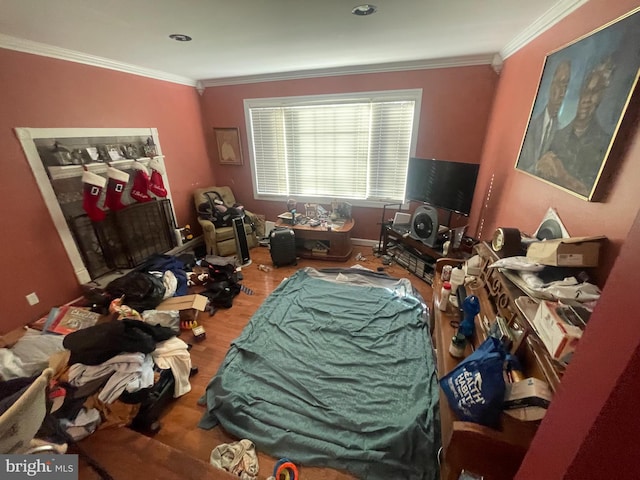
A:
(174, 354)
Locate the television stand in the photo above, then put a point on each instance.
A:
(403, 239)
(412, 254)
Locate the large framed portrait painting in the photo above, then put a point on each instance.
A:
(582, 97)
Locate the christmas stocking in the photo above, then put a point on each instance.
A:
(115, 187)
(92, 188)
(140, 184)
(156, 184)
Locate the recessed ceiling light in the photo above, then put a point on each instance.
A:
(366, 9)
(180, 37)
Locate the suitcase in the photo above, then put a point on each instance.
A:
(282, 246)
(153, 401)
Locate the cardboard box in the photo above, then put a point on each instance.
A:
(530, 392)
(187, 305)
(528, 399)
(567, 252)
(559, 337)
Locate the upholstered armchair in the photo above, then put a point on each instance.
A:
(221, 241)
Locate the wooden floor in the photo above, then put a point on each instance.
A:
(179, 423)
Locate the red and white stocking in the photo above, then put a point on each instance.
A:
(140, 184)
(115, 188)
(156, 184)
(92, 186)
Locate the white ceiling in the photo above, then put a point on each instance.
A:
(261, 39)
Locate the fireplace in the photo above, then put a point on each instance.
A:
(125, 238)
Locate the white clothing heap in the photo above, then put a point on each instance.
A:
(174, 354)
(129, 371)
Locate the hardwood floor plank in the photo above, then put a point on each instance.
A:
(179, 421)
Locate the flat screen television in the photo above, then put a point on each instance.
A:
(441, 183)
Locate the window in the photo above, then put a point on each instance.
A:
(353, 146)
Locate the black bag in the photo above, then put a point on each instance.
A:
(222, 285)
(221, 294)
(141, 290)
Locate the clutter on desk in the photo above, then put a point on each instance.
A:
(518, 263)
(567, 252)
(311, 210)
(341, 210)
(527, 399)
(559, 336)
(558, 326)
(557, 284)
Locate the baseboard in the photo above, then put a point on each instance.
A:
(365, 242)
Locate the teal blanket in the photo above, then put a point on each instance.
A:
(332, 373)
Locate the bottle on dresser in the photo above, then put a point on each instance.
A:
(444, 296)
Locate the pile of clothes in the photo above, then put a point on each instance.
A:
(110, 369)
(113, 372)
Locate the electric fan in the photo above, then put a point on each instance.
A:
(424, 225)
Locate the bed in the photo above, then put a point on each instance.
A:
(335, 369)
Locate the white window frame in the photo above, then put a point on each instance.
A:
(386, 95)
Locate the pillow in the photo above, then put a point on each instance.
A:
(34, 350)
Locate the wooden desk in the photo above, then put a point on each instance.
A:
(337, 239)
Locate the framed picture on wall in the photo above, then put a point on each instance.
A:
(229, 149)
(582, 96)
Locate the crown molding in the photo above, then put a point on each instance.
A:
(548, 19)
(470, 60)
(543, 23)
(36, 48)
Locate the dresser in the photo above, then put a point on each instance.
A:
(494, 453)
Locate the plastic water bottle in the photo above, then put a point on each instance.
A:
(444, 296)
(457, 278)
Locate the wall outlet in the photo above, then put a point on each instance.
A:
(33, 299)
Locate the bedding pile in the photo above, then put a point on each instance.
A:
(335, 369)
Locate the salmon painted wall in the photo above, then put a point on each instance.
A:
(42, 92)
(456, 103)
(519, 200)
(590, 430)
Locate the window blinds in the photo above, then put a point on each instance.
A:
(351, 149)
